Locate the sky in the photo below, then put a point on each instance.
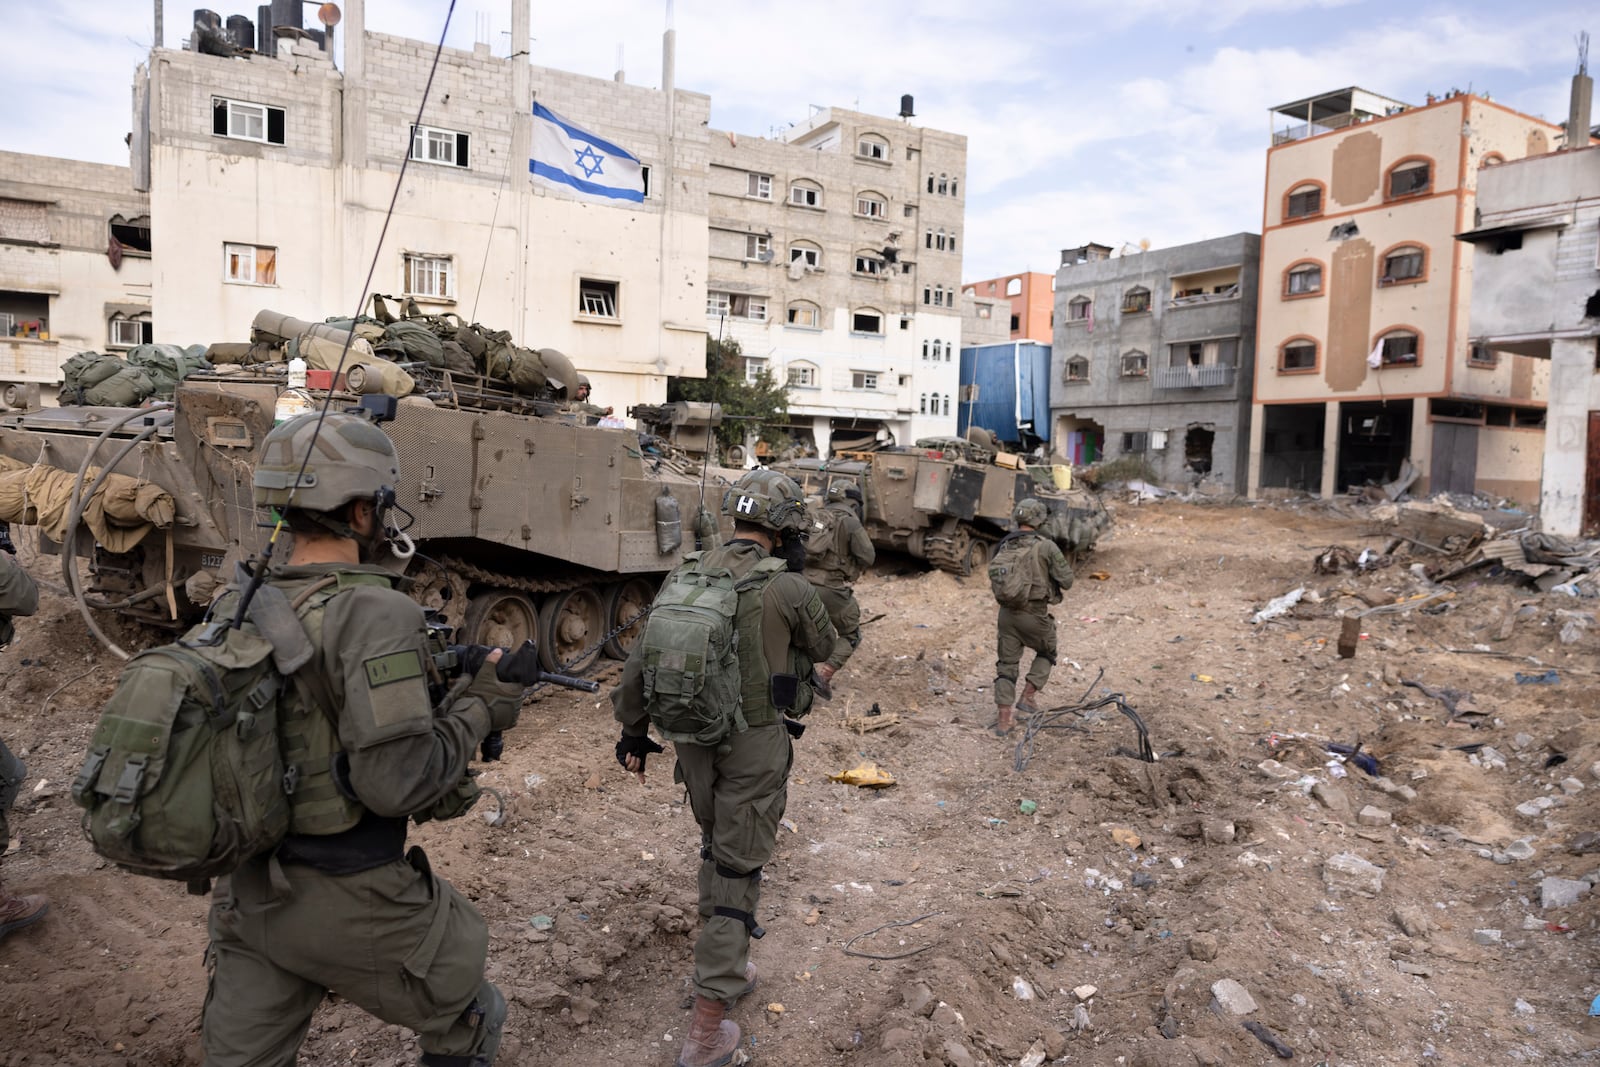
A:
(1116, 121)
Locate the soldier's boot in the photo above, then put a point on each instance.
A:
(751, 980)
(1025, 702)
(711, 1039)
(17, 912)
(1004, 722)
(821, 679)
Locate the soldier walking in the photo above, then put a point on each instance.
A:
(1027, 574)
(737, 786)
(836, 552)
(18, 596)
(341, 905)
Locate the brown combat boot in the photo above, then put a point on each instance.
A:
(17, 912)
(1003, 724)
(1025, 703)
(711, 1039)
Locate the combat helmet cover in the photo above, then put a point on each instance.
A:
(351, 459)
(766, 498)
(1029, 512)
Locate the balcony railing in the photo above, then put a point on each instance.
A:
(1230, 293)
(1204, 377)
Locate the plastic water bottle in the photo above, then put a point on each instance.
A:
(297, 373)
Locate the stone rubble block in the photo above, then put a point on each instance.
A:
(1347, 871)
(1232, 997)
(1561, 892)
(1373, 816)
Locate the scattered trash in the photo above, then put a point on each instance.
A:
(1206, 678)
(866, 774)
(1021, 988)
(541, 922)
(1080, 1019)
(1549, 677)
(1353, 754)
(850, 949)
(1084, 992)
(1028, 807)
(1035, 1056)
(1269, 1039)
(533, 781)
(999, 889)
(1280, 605)
(1594, 1006)
(789, 825)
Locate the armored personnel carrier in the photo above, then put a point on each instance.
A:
(528, 523)
(947, 501)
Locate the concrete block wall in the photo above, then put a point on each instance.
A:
(185, 83)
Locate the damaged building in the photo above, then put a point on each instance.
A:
(1367, 371)
(1153, 356)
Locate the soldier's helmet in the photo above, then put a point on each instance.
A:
(767, 499)
(351, 460)
(558, 370)
(1029, 512)
(583, 379)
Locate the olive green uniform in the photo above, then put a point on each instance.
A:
(1031, 626)
(340, 906)
(18, 596)
(738, 789)
(833, 575)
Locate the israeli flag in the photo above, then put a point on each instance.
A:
(572, 159)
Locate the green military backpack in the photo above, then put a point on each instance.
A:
(185, 777)
(692, 683)
(1013, 569)
(823, 527)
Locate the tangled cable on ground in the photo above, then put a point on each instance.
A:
(1062, 718)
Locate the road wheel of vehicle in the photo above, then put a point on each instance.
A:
(499, 617)
(625, 601)
(977, 558)
(569, 624)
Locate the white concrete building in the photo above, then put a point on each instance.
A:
(74, 267)
(270, 178)
(1536, 292)
(835, 255)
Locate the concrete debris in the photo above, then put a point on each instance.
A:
(1279, 605)
(1561, 892)
(1233, 998)
(1349, 872)
(1084, 992)
(1034, 1057)
(1373, 816)
(1571, 786)
(1486, 937)
(1203, 947)
(1414, 920)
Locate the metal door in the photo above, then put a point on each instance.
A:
(1455, 458)
(1591, 479)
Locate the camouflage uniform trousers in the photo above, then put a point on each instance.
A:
(396, 941)
(845, 614)
(12, 771)
(1030, 627)
(738, 792)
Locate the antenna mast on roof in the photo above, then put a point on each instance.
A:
(1583, 52)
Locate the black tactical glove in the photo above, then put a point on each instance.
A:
(640, 746)
(503, 699)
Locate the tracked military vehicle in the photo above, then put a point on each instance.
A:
(528, 523)
(947, 501)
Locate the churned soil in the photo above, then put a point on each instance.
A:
(1082, 909)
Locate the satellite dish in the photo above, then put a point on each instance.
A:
(328, 15)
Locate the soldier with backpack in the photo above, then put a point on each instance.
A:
(340, 904)
(721, 672)
(1027, 573)
(837, 548)
(18, 596)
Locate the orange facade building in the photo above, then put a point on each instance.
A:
(1032, 297)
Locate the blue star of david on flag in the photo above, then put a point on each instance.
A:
(574, 161)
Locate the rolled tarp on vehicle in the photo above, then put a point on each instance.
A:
(119, 514)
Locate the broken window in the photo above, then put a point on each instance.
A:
(1481, 355)
(805, 193)
(1136, 300)
(1303, 279)
(1400, 348)
(871, 205)
(597, 299)
(1298, 355)
(430, 276)
(1304, 200)
(758, 246)
(250, 264)
(806, 254)
(445, 147)
(1410, 178)
(245, 121)
(128, 332)
(1078, 309)
(871, 146)
(132, 234)
(869, 263)
(1135, 442)
(1403, 264)
(864, 379)
(866, 321)
(25, 315)
(1076, 370)
(736, 306)
(804, 313)
(754, 368)
(803, 375)
(759, 186)
(1013, 286)
(1135, 364)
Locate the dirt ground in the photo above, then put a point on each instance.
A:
(1077, 911)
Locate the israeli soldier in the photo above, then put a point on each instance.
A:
(341, 905)
(738, 789)
(1030, 625)
(581, 403)
(18, 596)
(832, 572)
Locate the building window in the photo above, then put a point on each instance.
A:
(1135, 442)
(923, 407)
(1016, 323)
(133, 235)
(863, 379)
(1013, 286)
(736, 306)
(805, 194)
(983, 311)
(953, 190)
(871, 205)
(1493, 159)
(947, 404)
(754, 368)
(869, 263)
(1400, 348)
(1481, 355)
(1410, 177)
(1297, 354)
(432, 145)
(871, 146)
(759, 186)
(1303, 201)
(1136, 300)
(758, 246)
(1408, 263)
(1223, 351)
(1135, 364)
(866, 320)
(806, 254)
(1078, 309)
(250, 264)
(433, 277)
(244, 121)
(925, 350)
(597, 299)
(1076, 370)
(802, 376)
(644, 177)
(934, 296)
(126, 332)
(805, 314)
(1303, 279)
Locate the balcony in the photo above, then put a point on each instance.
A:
(1202, 377)
(1331, 111)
